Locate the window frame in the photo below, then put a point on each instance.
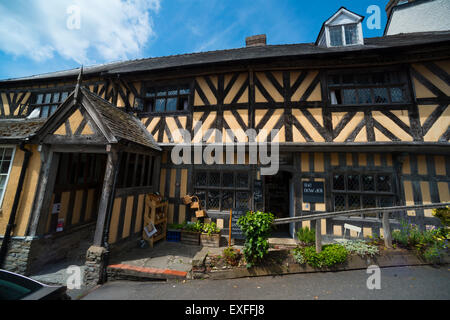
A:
(343, 34)
(34, 104)
(235, 189)
(346, 192)
(145, 100)
(8, 175)
(355, 84)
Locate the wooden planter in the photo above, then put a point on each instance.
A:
(192, 238)
(210, 241)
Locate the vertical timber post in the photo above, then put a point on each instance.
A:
(387, 230)
(111, 163)
(318, 236)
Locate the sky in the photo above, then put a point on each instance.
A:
(40, 36)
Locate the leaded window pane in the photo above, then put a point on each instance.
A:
(339, 202)
(2, 181)
(369, 201)
(349, 96)
(383, 183)
(365, 95)
(351, 34)
(336, 36)
(48, 97)
(381, 95)
(55, 97)
(353, 182)
(354, 202)
(171, 104)
(159, 105)
(242, 199)
(200, 179)
(397, 95)
(368, 183)
(386, 202)
(338, 182)
(213, 199)
(214, 179)
(228, 179)
(39, 99)
(242, 180)
(227, 200)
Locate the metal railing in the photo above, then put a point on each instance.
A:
(385, 220)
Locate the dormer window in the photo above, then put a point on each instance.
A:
(342, 29)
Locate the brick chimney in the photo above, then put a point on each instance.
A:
(255, 41)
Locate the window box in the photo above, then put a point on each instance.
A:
(191, 238)
(212, 241)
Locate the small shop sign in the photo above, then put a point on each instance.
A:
(235, 230)
(313, 192)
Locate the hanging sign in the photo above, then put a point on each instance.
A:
(313, 192)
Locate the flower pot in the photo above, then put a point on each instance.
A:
(212, 240)
(192, 238)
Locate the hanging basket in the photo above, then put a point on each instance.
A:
(187, 199)
(200, 213)
(195, 205)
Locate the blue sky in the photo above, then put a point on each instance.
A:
(42, 36)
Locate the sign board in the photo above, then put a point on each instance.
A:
(313, 192)
(236, 231)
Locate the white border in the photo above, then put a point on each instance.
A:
(14, 147)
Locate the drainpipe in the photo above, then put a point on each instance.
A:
(108, 216)
(12, 216)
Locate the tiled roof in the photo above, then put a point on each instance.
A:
(121, 124)
(249, 54)
(19, 129)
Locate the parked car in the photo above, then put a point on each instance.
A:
(14, 286)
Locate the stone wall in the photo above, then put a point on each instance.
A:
(18, 252)
(71, 244)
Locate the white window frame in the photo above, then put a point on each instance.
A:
(2, 196)
(344, 41)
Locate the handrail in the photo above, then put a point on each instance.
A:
(385, 220)
(325, 215)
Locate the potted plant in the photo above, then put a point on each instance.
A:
(232, 256)
(210, 236)
(191, 233)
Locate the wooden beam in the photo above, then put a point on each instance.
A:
(107, 189)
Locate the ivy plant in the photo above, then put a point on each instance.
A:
(256, 227)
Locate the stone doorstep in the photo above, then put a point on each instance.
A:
(354, 263)
(124, 270)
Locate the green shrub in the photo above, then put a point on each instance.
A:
(306, 236)
(232, 256)
(298, 256)
(330, 255)
(443, 214)
(210, 228)
(194, 227)
(176, 226)
(429, 244)
(360, 247)
(256, 227)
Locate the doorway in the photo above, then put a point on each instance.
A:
(277, 200)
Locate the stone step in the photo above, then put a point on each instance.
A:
(129, 272)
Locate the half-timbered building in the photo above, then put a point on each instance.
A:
(368, 117)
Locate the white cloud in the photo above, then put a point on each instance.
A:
(108, 30)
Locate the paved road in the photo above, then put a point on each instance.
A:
(422, 282)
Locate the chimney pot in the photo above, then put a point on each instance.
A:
(254, 41)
